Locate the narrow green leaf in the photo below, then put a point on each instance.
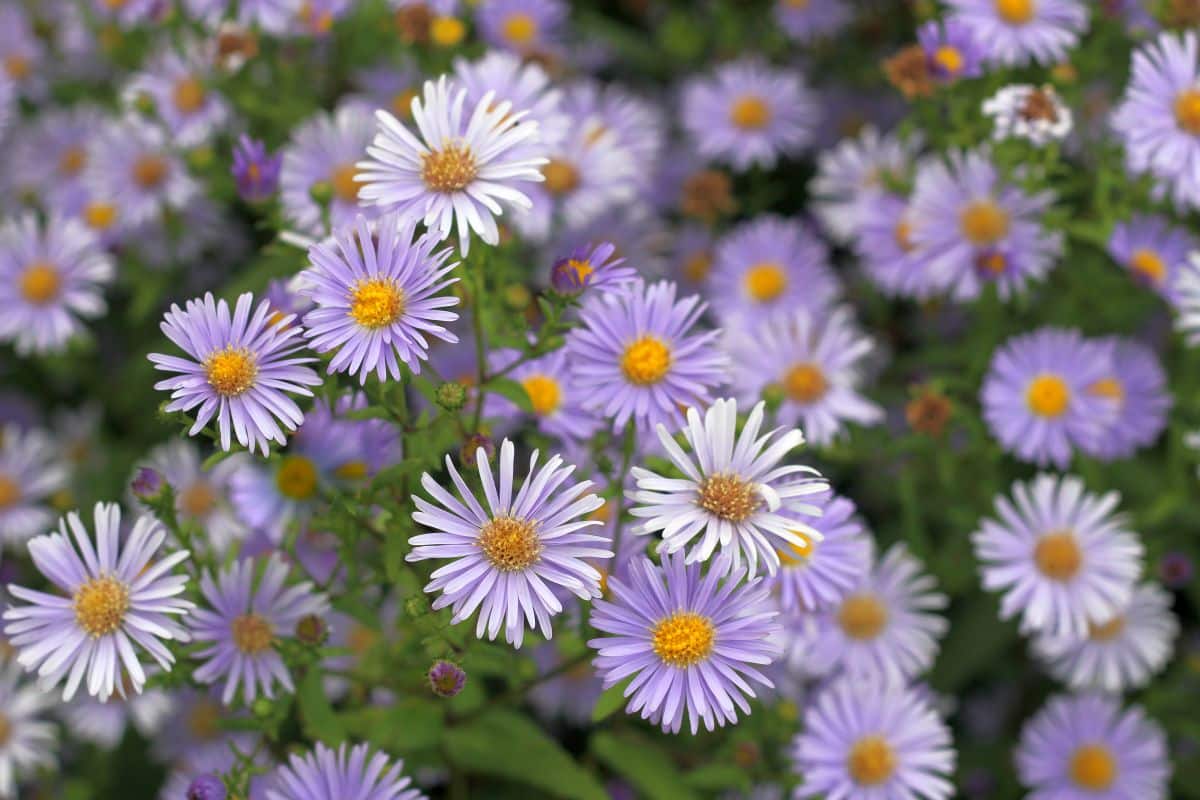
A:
(609, 702)
(643, 764)
(320, 722)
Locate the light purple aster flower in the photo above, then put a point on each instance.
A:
(176, 83)
(1158, 118)
(735, 494)
(390, 86)
(1118, 654)
(324, 152)
(559, 407)
(1154, 251)
(104, 722)
(886, 250)
(1015, 32)
(868, 740)
(275, 17)
(1036, 397)
(50, 276)
(816, 361)
(1062, 556)
(770, 264)
(692, 251)
(31, 741)
(201, 770)
(240, 633)
(118, 593)
(201, 496)
(30, 473)
(348, 772)
(638, 125)
(378, 294)
(808, 20)
(886, 628)
(447, 679)
(853, 172)
(589, 266)
(527, 27)
(568, 695)
(1137, 388)
(134, 169)
(22, 52)
(238, 370)
(749, 114)
(255, 170)
(525, 84)
(974, 228)
(819, 573)
(8, 101)
(1087, 747)
(692, 643)
(461, 170)
(951, 50)
(49, 156)
(637, 356)
(1187, 291)
(506, 558)
(128, 13)
(198, 733)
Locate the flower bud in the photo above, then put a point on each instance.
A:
(446, 679)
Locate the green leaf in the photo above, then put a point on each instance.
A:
(507, 745)
(643, 764)
(512, 390)
(609, 702)
(411, 724)
(717, 778)
(320, 722)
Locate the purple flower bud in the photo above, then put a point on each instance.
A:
(1175, 569)
(446, 678)
(147, 483)
(255, 170)
(206, 787)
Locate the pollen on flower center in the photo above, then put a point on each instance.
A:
(697, 267)
(344, 185)
(805, 383)
(449, 170)
(545, 395)
(231, 372)
(149, 171)
(949, 58)
(100, 216)
(683, 639)
(297, 477)
(10, 492)
(766, 281)
(646, 361)
(1187, 110)
(39, 283)
(204, 721)
(561, 177)
(72, 161)
(992, 263)
(871, 761)
(1048, 395)
(1015, 12)
(402, 103)
(1109, 388)
(520, 28)
(252, 633)
(1106, 631)
(6, 729)
(902, 233)
(862, 616)
(100, 605)
(798, 554)
(750, 112)
(510, 544)
(984, 223)
(189, 94)
(1149, 265)
(198, 499)
(728, 497)
(17, 67)
(376, 303)
(1093, 767)
(1058, 556)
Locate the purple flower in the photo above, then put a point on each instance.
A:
(348, 772)
(1015, 32)
(951, 50)
(808, 20)
(30, 473)
(206, 787)
(527, 27)
(587, 266)
(238, 370)
(147, 483)
(31, 740)
(201, 495)
(1175, 569)
(558, 404)
(446, 679)
(1137, 389)
(177, 85)
(324, 152)
(134, 169)
(887, 252)
(255, 170)
(691, 643)
(820, 572)
(1154, 251)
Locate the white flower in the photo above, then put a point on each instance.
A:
(1023, 111)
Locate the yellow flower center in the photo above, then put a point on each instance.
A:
(750, 112)
(728, 497)
(1015, 12)
(39, 283)
(903, 236)
(198, 500)
(871, 761)
(17, 67)
(766, 281)
(149, 171)
(949, 58)
(204, 721)
(1109, 388)
(297, 477)
(520, 28)
(697, 266)
(795, 555)
(100, 216)
(320, 22)
(579, 271)
(545, 395)
(447, 31)
(510, 544)
(1108, 630)
(805, 383)
(231, 372)
(361, 639)
(862, 616)
(353, 470)
(376, 303)
(984, 223)
(561, 177)
(1048, 395)
(1093, 767)
(646, 361)
(189, 95)
(6, 729)
(72, 161)
(100, 605)
(10, 492)
(344, 185)
(1058, 556)
(683, 639)
(799, 5)
(252, 633)
(1149, 265)
(402, 103)
(449, 170)
(993, 263)
(1187, 110)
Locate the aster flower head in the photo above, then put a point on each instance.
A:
(817, 363)
(1120, 653)
(808, 20)
(1062, 556)
(735, 493)
(638, 355)
(749, 114)
(692, 643)
(323, 156)
(30, 738)
(1025, 111)
(974, 228)
(1087, 746)
(105, 722)
(1137, 389)
(134, 169)
(245, 619)
(348, 772)
(1158, 118)
(507, 557)
(819, 573)
(558, 405)
(118, 592)
(637, 124)
(378, 295)
(1039, 398)
(1016, 32)
(239, 369)
(255, 170)
(201, 496)
(886, 250)
(523, 83)
(853, 172)
(590, 266)
(30, 473)
(770, 264)
(951, 50)
(22, 52)
(1154, 251)
(176, 83)
(49, 156)
(1187, 289)
(527, 27)
(51, 276)
(460, 171)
